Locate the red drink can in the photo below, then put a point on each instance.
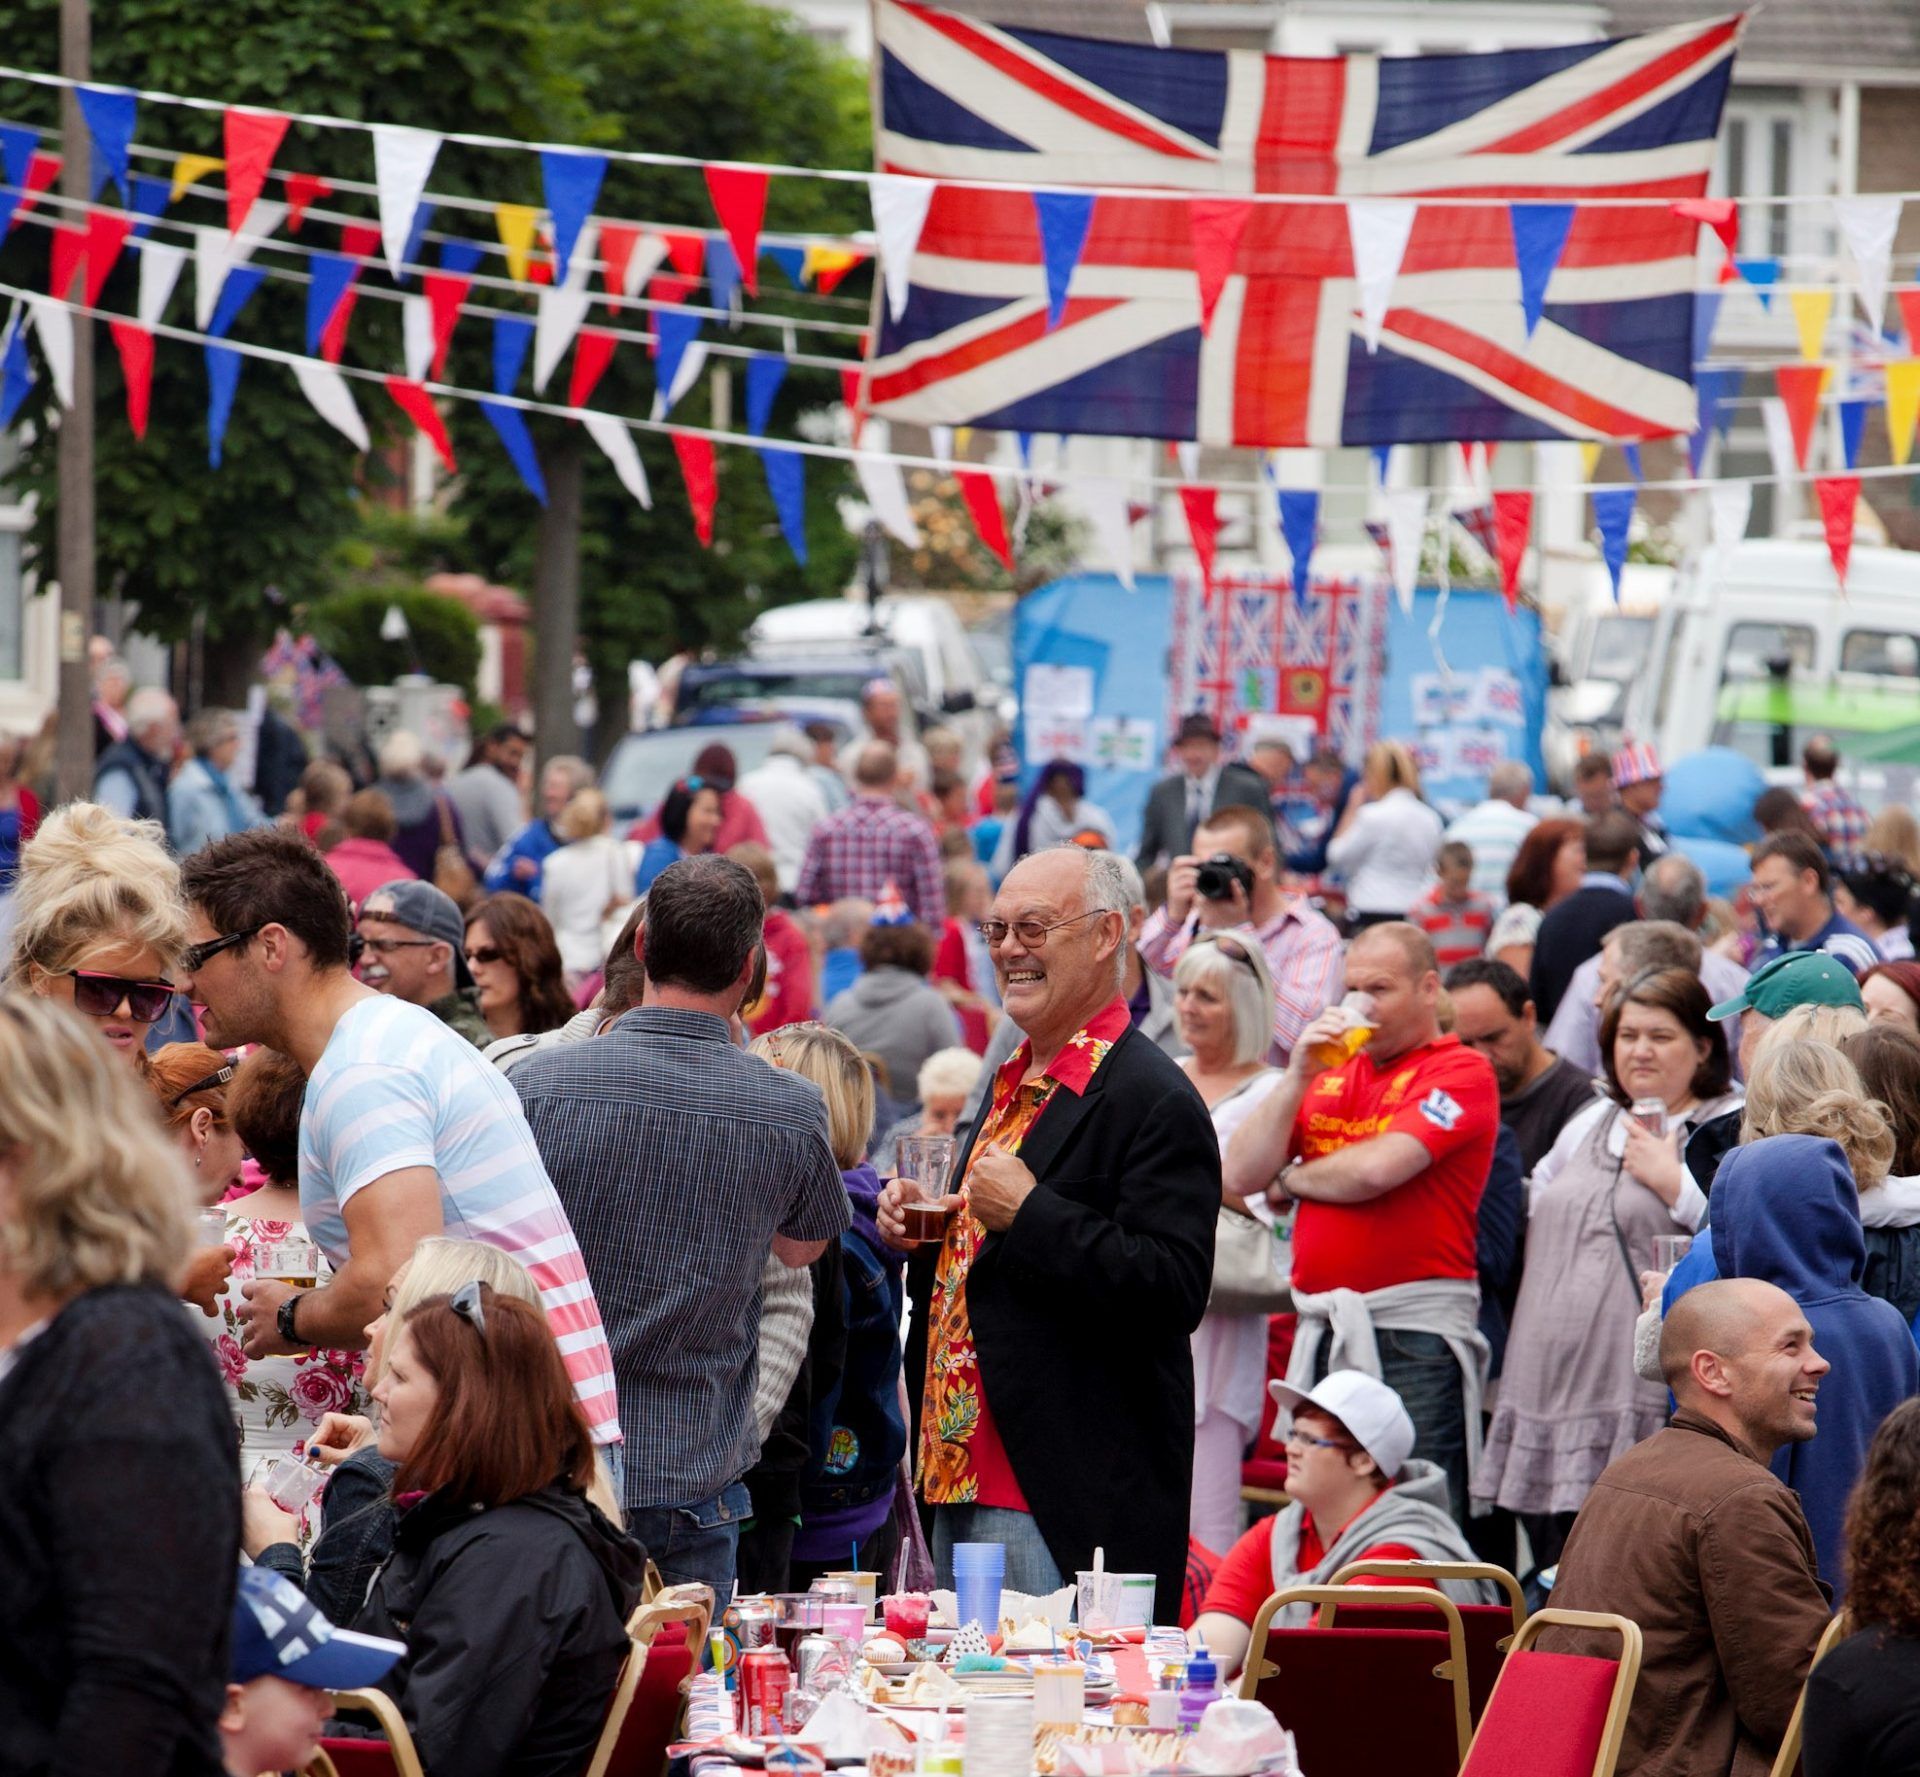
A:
(764, 1678)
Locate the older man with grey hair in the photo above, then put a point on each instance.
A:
(789, 800)
(1673, 892)
(1087, 1197)
(1493, 828)
(131, 776)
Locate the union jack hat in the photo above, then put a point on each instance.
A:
(890, 907)
(1636, 763)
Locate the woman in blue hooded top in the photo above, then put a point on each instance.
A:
(1786, 1211)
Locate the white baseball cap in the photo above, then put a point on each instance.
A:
(1372, 1413)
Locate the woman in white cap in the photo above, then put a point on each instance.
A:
(1358, 1493)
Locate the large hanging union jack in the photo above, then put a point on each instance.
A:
(1285, 361)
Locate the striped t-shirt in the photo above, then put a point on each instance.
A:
(395, 1088)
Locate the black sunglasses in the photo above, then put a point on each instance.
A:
(484, 955)
(1232, 948)
(221, 1078)
(197, 956)
(465, 1302)
(99, 996)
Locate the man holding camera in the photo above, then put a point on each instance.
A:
(1232, 878)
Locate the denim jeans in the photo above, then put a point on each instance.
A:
(1420, 1369)
(1030, 1564)
(695, 1542)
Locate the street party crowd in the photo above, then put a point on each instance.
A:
(427, 1223)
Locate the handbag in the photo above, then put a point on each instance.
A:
(1249, 1275)
(452, 874)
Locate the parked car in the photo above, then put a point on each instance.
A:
(642, 767)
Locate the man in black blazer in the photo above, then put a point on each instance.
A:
(1572, 930)
(1049, 1340)
(1202, 786)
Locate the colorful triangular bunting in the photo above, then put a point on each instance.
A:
(703, 489)
(135, 346)
(1513, 520)
(413, 400)
(1839, 494)
(1539, 236)
(572, 185)
(739, 197)
(786, 473)
(252, 140)
(982, 496)
(510, 426)
(109, 114)
(1216, 225)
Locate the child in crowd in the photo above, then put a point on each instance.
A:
(1451, 913)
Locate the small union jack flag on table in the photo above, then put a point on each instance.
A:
(1284, 361)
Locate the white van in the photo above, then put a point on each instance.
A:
(1600, 649)
(1764, 650)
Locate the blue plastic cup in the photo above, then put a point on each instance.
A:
(978, 1570)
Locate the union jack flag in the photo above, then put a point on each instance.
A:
(1285, 362)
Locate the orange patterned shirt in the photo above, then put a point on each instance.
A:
(962, 1461)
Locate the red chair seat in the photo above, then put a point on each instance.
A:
(653, 1721)
(1550, 1718)
(1343, 1691)
(360, 1758)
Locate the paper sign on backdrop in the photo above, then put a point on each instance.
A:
(1057, 694)
(1120, 743)
(1056, 737)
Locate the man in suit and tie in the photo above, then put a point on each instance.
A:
(1204, 784)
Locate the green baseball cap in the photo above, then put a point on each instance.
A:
(1800, 978)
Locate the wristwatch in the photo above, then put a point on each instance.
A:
(287, 1329)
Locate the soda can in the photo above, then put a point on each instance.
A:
(764, 1681)
(752, 1625)
(818, 1662)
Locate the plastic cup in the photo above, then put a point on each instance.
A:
(978, 1570)
(906, 1614)
(212, 1225)
(1059, 1693)
(1670, 1249)
(866, 1587)
(295, 1262)
(1358, 1011)
(289, 1482)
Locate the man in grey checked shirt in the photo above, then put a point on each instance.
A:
(681, 1160)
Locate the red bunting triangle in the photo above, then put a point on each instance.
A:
(666, 292)
(617, 244)
(982, 496)
(697, 471)
(686, 253)
(106, 235)
(1909, 301)
(1512, 520)
(68, 254)
(445, 293)
(417, 405)
(333, 337)
(850, 391)
(1838, 496)
(359, 240)
(1800, 386)
(135, 345)
(1203, 526)
(42, 170)
(826, 278)
(592, 352)
(303, 189)
(1216, 224)
(252, 140)
(740, 201)
(1721, 214)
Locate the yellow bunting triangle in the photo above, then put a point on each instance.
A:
(1589, 459)
(190, 169)
(517, 224)
(962, 439)
(1903, 405)
(826, 259)
(1812, 309)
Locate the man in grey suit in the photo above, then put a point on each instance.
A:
(1204, 784)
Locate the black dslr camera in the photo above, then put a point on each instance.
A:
(1215, 877)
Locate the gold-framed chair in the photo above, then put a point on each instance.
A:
(1490, 1628)
(1788, 1757)
(1319, 1681)
(1557, 1715)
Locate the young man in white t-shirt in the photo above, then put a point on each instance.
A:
(406, 1131)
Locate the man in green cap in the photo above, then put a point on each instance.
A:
(1799, 978)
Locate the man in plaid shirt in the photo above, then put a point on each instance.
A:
(1841, 820)
(874, 841)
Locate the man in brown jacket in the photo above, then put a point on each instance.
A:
(1691, 1536)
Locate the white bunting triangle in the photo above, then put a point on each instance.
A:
(1103, 498)
(613, 437)
(899, 213)
(692, 361)
(332, 400)
(1868, 223)
(416, 333)
(216, 253)
(1729, 503)
(886, 491)
(55, 327)
(1406, 532)
(1779, 430)
(941, 438)
(160, 266)
(1378, 228)
(649, 253)
(1188, 455)
(402, 159)
(562, 309)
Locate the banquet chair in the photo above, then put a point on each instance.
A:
(1490, 1628)
(1788, 1760)
(1557, 1715)
(1408, 1685)
(393, 1756)
(648, 1703)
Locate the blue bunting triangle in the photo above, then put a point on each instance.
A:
(331, 274)
(9, 202)
(1853, 422)
(1714, 387)
(235, 293)
(18, 145)
(1762, 274)
(223, 377)
(766, 371)
(723, 271)
(674, 330)
(460, 257)
(512, 335)
(1539, 235)
(1299, 523)
(791, 260)
(149, 202)
(572, 183)
(787, 483)
(16, 375)
(1065, 217)
(1613, 513)
(109, 116)
(511, 425)
(1382, 457)
(422, 218)
(1632, 453)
